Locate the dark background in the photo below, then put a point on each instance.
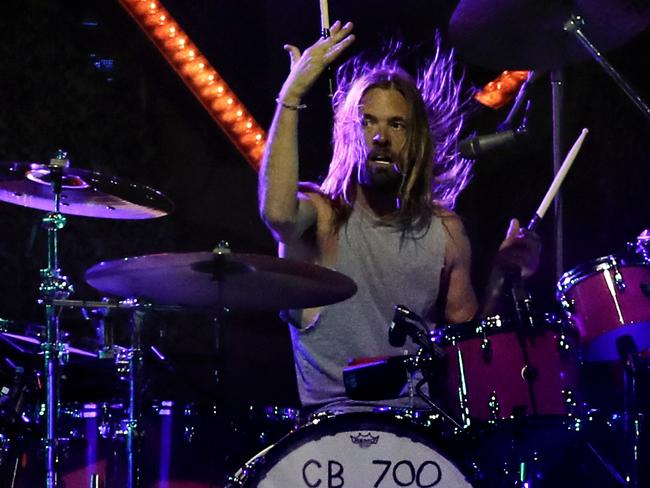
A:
(137, 120)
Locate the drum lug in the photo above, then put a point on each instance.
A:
(563, 345)
(494, 407)
(569, 400)
(486, 349)
(567, 304)
(618, 278)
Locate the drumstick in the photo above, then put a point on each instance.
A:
(324, 19)
(325, 33)
(557, 181)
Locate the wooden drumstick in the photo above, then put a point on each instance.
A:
(557, 181)
(324, 19)
(325, 33)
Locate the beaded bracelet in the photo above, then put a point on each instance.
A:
(289, 106)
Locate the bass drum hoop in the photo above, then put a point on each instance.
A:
(257, 468)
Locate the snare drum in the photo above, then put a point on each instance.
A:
(353, 449)
(605, 299)
(494, 372)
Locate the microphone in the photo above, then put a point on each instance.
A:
(474, 147)
(401, 327)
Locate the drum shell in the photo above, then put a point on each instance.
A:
(605, 299)
(494, 367)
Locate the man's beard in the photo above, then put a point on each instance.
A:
(381, 173)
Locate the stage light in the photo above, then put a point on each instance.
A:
(500, 91)
(200, 77)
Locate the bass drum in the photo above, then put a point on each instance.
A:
(355, 449)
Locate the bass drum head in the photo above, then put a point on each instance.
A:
(355, 449)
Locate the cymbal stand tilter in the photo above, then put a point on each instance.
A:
(574, 26)
(53, 286)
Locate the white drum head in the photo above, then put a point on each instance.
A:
(356, 450)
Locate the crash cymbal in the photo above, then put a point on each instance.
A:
(85, 193)
(529, 34)
(206, 279)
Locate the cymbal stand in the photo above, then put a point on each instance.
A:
(574, 26)
(524, 466)
(53, 286)
(129, 364)
(133, 427)
(628, 352)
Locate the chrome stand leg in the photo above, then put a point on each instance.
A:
(53, 286)
(134, 428)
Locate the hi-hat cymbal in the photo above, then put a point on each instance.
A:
(206, 279)
(25, 338)
(529, 34)
(85, 193)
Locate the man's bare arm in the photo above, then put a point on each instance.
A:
(283, 212)
(461, 303)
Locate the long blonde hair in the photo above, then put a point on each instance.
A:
(434, 173)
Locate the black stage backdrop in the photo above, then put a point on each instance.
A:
(137, 120)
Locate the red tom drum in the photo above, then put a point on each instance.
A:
(496, 372)
(606, 299)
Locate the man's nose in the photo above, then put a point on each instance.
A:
(380, 138)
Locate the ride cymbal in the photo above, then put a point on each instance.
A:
(206, 279)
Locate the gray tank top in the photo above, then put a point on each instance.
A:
(388, 269)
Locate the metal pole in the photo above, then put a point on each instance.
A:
(134, 431)
(573, 26)
(557, 101)
(53, 286)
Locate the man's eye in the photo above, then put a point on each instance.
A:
(398, 125)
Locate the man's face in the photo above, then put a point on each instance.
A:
(384, 115)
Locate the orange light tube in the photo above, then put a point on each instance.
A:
(200, 77)
(500, 91)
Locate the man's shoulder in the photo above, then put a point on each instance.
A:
(312, 192)
(458, 241)
(451, 221)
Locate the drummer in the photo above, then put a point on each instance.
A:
(382, 215)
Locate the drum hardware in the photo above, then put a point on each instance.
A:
(641, 246)
(430, 357)
(507, 35)
(95, 481)
(494, 407)
(59, 189)
(632, 416)
(53, 285)
(522, 311)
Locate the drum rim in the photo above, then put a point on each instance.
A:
(584, 270)
(501, 325)
(381, 421)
